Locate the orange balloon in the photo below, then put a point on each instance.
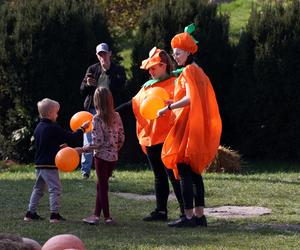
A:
(67, 159)
(79, 118)
(159, 92)
(150, 106)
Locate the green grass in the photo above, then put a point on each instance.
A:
(278, 190)
(239, 11)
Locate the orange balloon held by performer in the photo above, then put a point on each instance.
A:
(158, 92)
(193, 140)
(150, 106)
(79, 118)
(67, 159)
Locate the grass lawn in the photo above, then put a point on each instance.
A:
(239, 11)
(276, 189)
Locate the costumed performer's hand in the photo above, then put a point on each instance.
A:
(162, 111)
(169, 101)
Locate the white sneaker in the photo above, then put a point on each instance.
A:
(92, 220)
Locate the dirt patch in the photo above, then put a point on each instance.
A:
(218, 212)
(236, 211)
(138, 197)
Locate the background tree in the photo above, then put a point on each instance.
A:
(124, 15)
(45, 48)
(264, 99)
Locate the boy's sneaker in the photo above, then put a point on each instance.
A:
(183, 222)
(157, 215)
(32, 216)
(92, 220)
(201, 221)
(56, 218)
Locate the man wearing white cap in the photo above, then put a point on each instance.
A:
(107, 74)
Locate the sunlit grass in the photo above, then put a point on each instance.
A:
(239, 11)
(277, 190)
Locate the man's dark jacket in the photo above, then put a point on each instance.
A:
(117, 79)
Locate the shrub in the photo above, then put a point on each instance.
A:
(45, 48)
(265, 93)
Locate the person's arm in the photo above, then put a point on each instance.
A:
(121, 135)
(66, 137)
(89, 82)
(184, 101)
(124, 106)
(97, 137)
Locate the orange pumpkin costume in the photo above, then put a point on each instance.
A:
(195, 135)
(152, 132)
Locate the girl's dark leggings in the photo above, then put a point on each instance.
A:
(161, 175)
(104, 170)
(192, 186)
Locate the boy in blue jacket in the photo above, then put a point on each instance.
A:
(48, 137)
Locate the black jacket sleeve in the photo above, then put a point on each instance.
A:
(124, 106)
(84, 88)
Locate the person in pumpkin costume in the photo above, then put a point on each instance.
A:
(194, 138)
(152, 133)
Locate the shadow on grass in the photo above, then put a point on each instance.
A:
(256, 167)
(274, 180)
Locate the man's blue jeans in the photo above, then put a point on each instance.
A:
(87, 158)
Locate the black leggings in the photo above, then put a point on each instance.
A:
(161, 175)
(192, 186)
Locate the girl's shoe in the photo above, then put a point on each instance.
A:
(92, 220)
(110, 221)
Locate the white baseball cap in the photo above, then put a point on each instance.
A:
(102, 47)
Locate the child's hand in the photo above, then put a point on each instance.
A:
(86, 124)
(64, 145)
(79, 150)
